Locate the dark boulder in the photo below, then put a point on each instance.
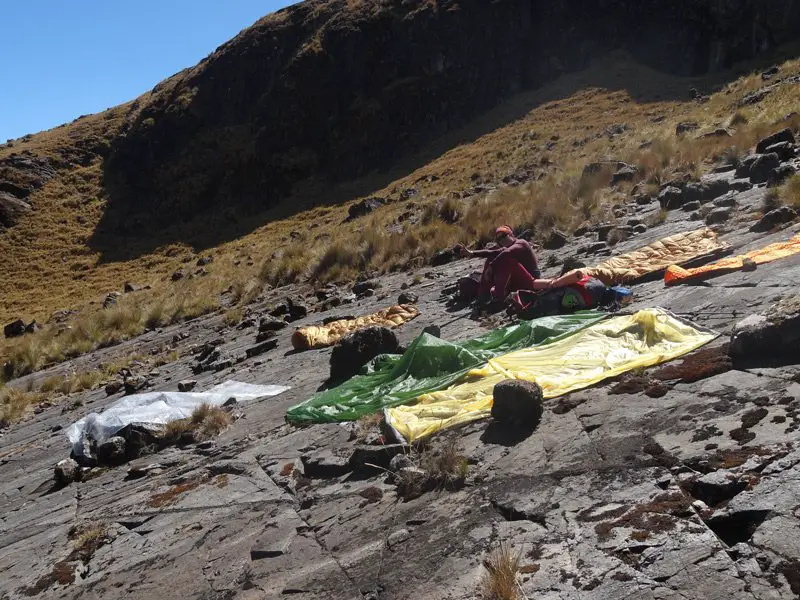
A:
(360, 287)
(443, 257)
(626, 173)
(11, 209)
(296, 309)
(763, 166)
(784, 135)
(744, 166)
(66, 471)
(517, 401)
(14, 329)
(774, 218)
(364, 207)
(407, 298)
(555, 240)
(270, 324)
(112, 451)
(705, 191)
(358, 348)
(779, 175)
(671, 197)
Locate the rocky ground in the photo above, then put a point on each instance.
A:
(681, 484)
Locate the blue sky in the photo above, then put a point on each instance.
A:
(65, 58)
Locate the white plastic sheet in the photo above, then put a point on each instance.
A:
(159, 408)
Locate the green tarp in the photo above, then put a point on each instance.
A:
(430, 364)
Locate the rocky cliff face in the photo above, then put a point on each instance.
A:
(336, 89)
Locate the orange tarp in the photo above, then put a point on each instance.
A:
(675, 249)
(676, 274)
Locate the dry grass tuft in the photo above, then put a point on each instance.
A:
(437, 467)
(205, 423)
(88, 538)
(14, 403)
(772, 200)
(500, 580)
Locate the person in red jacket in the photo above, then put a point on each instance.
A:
(511, 267)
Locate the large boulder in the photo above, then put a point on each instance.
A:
(11, 209)
(555, 240)
(772, 335)
(773, 218)
(112, 451)
(744, 166)
(763, 166)
(360, 347)
(784, 135)
(780, 174)
(518, 402)
(718, 215)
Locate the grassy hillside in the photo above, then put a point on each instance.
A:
(616, 109)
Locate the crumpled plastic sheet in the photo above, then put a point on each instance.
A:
(159, 408)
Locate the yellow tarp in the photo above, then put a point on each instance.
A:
(319, 336)
(672, 250)
(676, 274)
(604, 350)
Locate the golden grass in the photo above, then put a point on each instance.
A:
(49, 265)
(441, 465)
(790, 192)
(14, 404)
(500, 580)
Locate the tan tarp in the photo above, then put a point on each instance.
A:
(676, 249)
(319, 336)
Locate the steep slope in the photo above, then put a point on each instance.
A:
(338, 88)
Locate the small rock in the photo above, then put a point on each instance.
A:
(686, 127)
(297, 309)
(774, 218)
(690, 206)
(784, 150)
(626, 173)
(399, 462)
(112, 451)
(718, 215)
(204, 260)
(129, 287)
(133, 383)
(670, 197)
(519, 401)
(364, 207)
(595, 248)
(641, 228)
(178, 275)
(66, 471)
(744, 166)
(555, 240)
(398, 537)
(407, 298)
(113, 387)
(187, 385)
(784, 135)
(325, 464)
(14, 329)
(111, 299)
(261, 348)
(725, 201)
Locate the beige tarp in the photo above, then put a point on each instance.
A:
(319, 336)
(676, 249)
